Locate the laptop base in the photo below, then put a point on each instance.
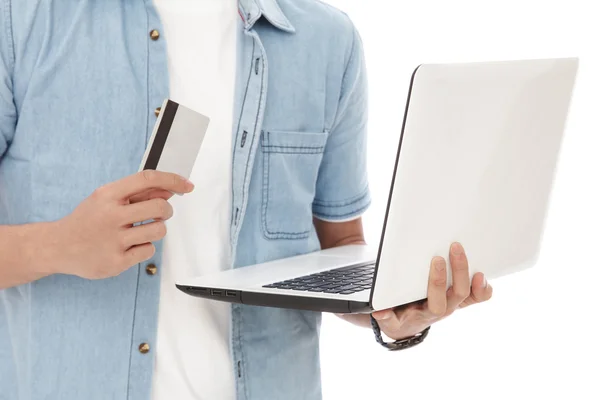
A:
(337, 306)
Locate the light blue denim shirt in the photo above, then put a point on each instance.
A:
(79, 83)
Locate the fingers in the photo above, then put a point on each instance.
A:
(441, 302)
(436, 290)
(143, 181)
(481, 291)
(151, 194)
(156, 209)
(142, 234)
(461, 281)
(140, 253)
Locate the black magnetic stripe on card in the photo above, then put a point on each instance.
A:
(161, 135)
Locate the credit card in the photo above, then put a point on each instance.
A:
(176, 140)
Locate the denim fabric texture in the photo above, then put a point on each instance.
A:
(79, 83)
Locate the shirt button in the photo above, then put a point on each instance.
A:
(154, 34)
(144, 348)
(157, 111)
(151, 269)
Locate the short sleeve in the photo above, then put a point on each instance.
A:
(7, 106)
(342, 191)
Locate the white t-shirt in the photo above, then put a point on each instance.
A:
(193, 359)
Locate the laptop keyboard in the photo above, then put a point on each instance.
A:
(345, 280)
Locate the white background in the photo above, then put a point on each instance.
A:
(539, 337)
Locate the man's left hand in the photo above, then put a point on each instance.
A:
(407, 321)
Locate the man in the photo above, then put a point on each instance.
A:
(89, 309)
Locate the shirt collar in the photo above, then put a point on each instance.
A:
(251, 10)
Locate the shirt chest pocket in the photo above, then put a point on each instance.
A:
(291, 163)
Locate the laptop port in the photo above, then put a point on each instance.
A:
(215, 292)
(230, 293)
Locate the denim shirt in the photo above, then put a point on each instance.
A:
(79, 85)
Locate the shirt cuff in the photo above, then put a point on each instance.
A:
(342, 211)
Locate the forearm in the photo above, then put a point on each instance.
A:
(342, 234)
(26, 253)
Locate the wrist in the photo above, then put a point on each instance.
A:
(40, 245)
(400, 344)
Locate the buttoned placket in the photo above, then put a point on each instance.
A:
(250, 104)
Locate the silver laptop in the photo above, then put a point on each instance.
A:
(476, 161)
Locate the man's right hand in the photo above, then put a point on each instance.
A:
(99, 239)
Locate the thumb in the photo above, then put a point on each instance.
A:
(383, 315)
(387, 321)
